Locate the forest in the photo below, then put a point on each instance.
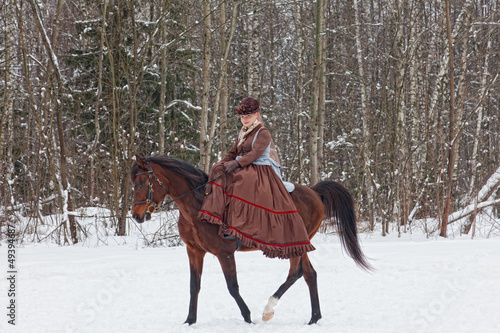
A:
(396, 99)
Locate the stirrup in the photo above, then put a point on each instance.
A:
(238, 242)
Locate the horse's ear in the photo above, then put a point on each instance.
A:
(139, 159)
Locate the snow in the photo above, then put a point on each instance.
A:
(187, 103)
(420, 285)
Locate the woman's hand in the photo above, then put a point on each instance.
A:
(230, 166)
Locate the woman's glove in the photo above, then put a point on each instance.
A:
(229, 167)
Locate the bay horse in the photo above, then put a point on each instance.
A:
(157, 176)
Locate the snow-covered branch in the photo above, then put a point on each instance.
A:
(188, 104)
(482, 200)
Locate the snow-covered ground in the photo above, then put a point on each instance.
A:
(421, 285)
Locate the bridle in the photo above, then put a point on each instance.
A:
(158, 207)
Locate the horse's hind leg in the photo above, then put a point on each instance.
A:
(228, 265)
(296, 271)
(310, 276)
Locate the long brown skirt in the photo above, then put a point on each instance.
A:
(253, 205)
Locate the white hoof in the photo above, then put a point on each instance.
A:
(269, 309)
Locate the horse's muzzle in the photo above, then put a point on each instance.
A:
(145, 217)
(138, 219)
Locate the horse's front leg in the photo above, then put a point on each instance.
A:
(228, 265)
(196, 266)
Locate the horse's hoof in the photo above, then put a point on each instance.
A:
(267, 316)
(269, 309)
(314, 319)
(190, 321)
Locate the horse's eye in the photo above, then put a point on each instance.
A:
(138, 187)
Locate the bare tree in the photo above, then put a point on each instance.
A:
(95, 145)
(452, 132)
(207, 54)
(322, 85)
(317, 93)
(163, 80)
(66, 203)
(224, 91)
(479, 121)
(366, 145)
(253, 48)
(218, 105)
(299, 95)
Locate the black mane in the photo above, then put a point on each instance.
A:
(194, 176)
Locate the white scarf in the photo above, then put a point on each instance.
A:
(246, 130)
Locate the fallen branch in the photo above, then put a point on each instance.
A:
(471, 209)
(482, 199)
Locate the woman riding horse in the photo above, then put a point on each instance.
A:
(250, 202)
(255, 198)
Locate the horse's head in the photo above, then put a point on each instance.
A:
(149, 190)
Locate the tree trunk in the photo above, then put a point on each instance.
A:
(163, 82)
(35, 188)
(95, 146)
(460, 98)
(317, 89)
(54, 70)
(135, 72)
(401, 149)
(440, 79)
(321, 88)
(479, 121)
(207, 36)
(224, 97)
(416, 119)
(222, 78)
(253, 49)
(366, 119)
(115, 107)
(451, 130)
(299, 87)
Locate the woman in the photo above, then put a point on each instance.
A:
(250, 201)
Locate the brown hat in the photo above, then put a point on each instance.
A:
(248, 105)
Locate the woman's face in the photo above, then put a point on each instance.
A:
(248, 119)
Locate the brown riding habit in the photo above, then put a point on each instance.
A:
(252, 204)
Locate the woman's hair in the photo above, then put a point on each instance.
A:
(248, 105)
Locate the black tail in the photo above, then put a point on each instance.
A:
(339, 205)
